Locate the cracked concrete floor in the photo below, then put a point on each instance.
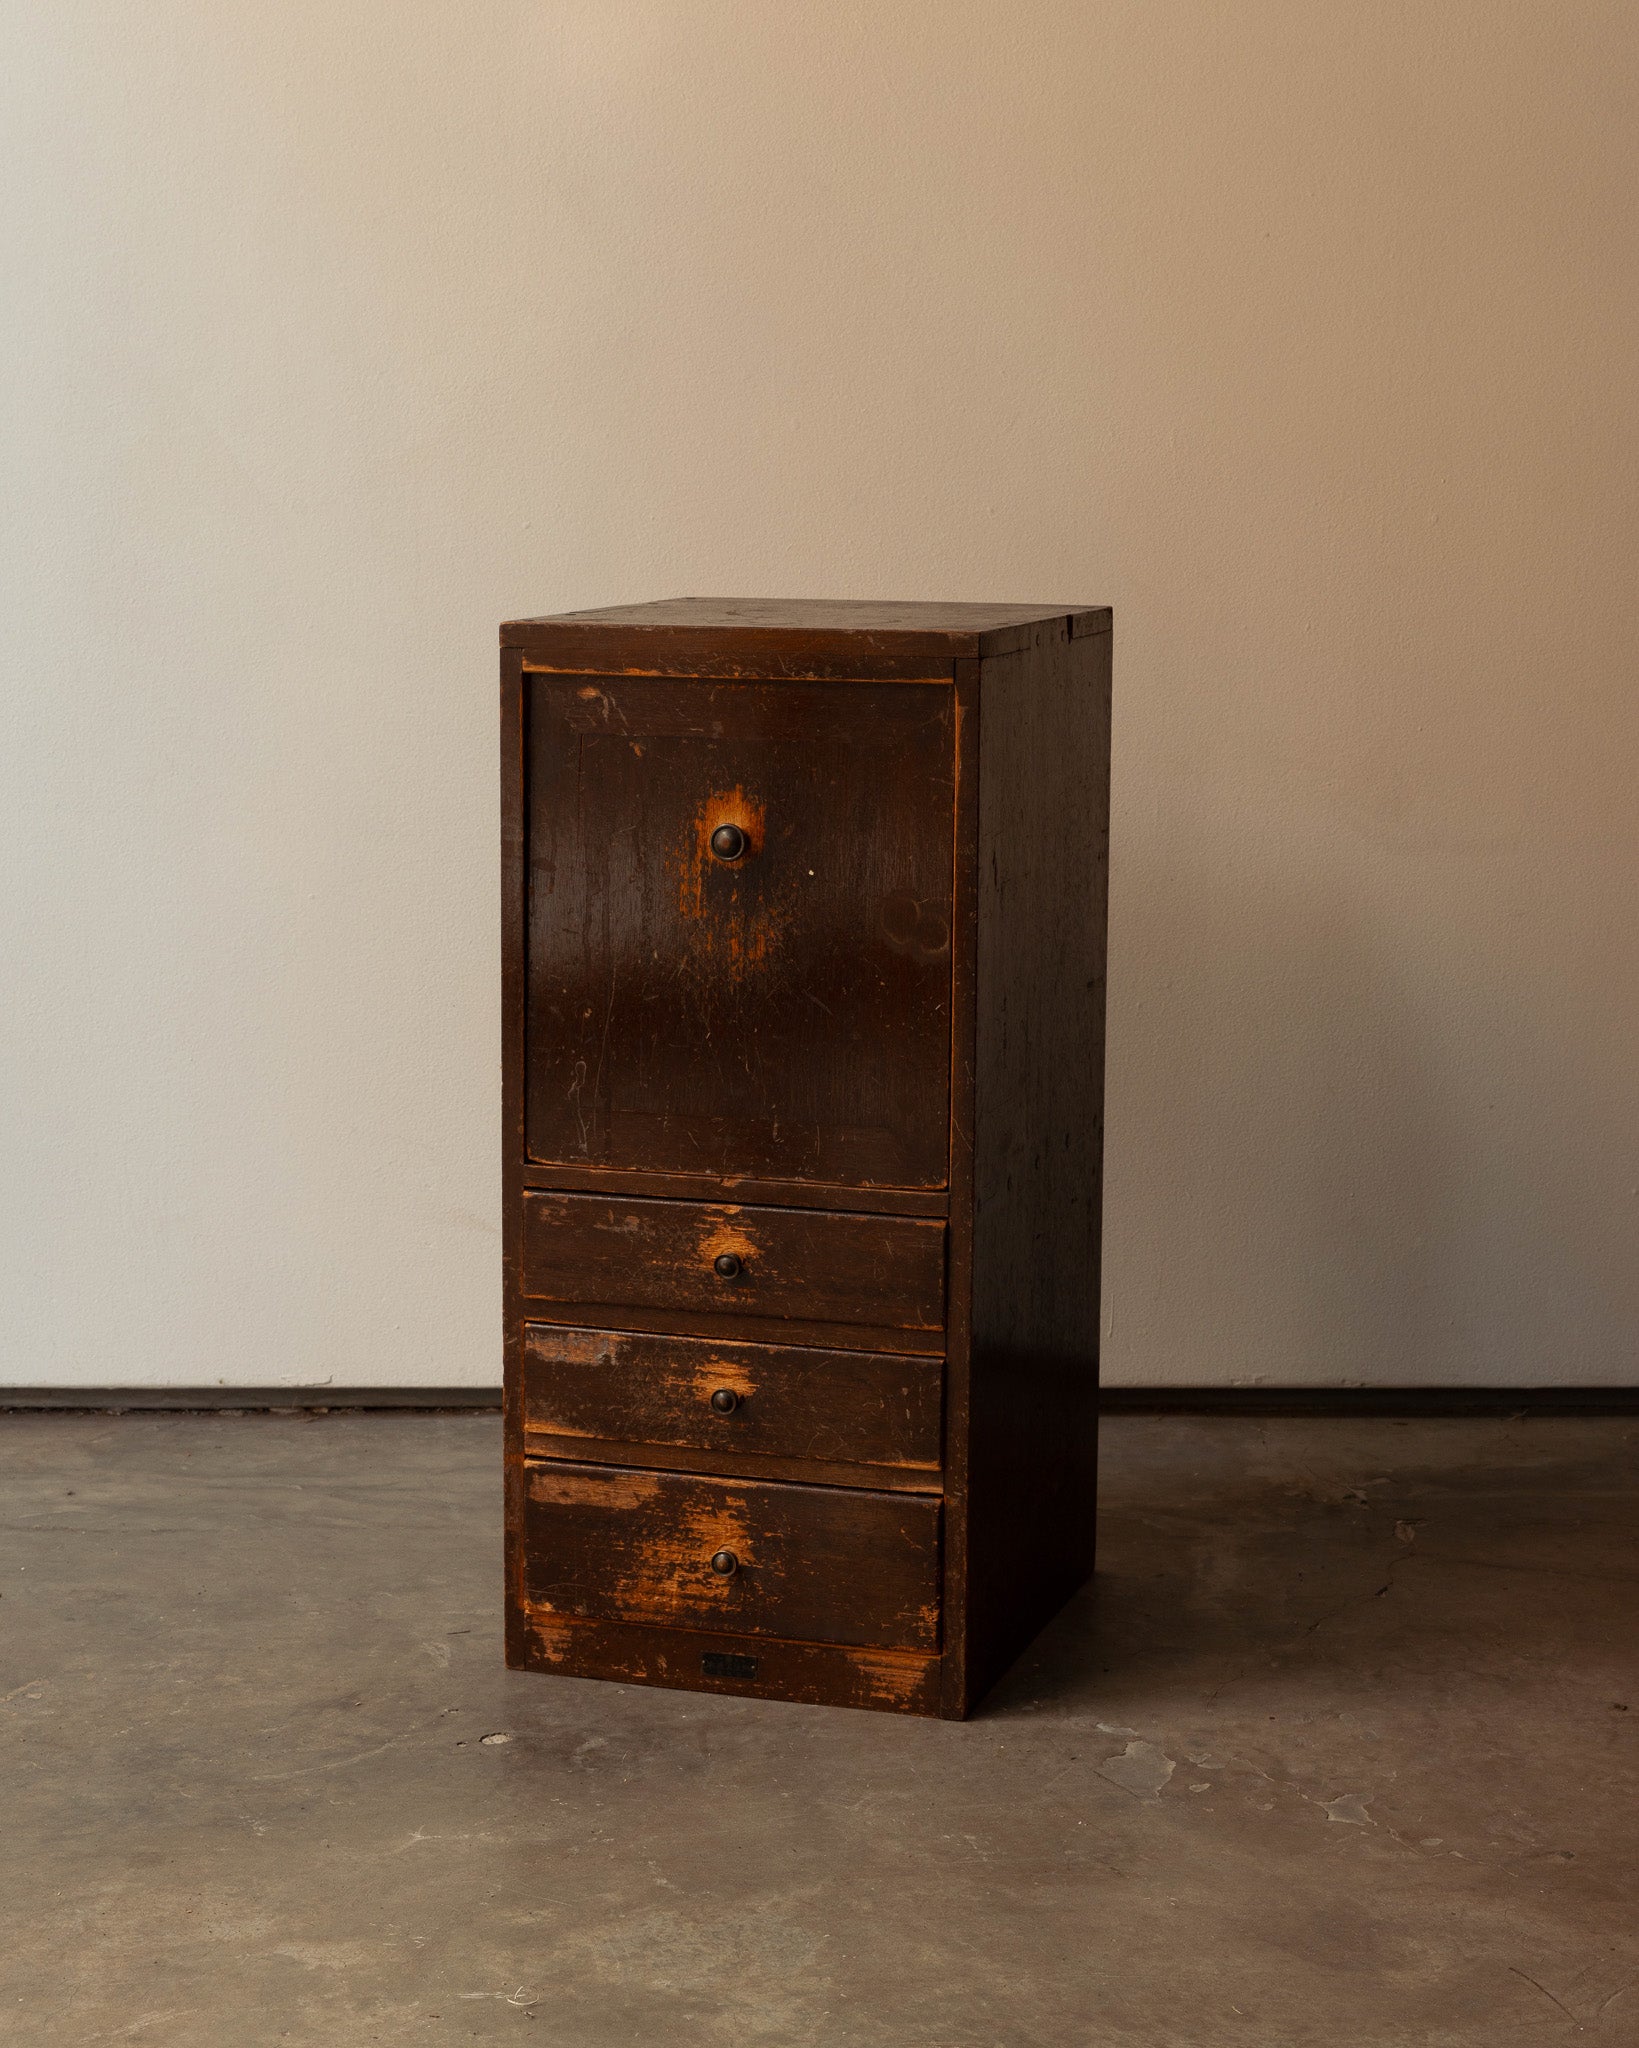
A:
(1342, 1751)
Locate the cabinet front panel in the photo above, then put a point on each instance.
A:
(773, 1400)
(801, 1265)
(739, 920)
(815, 1563)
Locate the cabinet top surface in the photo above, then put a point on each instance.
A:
(938, 630)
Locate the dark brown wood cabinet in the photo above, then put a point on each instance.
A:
(803, 956)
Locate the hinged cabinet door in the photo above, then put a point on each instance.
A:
(739, 922)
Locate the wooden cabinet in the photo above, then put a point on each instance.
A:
(803, 997)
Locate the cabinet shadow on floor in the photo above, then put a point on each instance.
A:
(1318, 1563)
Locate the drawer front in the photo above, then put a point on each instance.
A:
(788, 1401)
(812, 1563)
(802, 1265)
(776, 1004)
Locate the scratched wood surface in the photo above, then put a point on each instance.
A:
(786, 1013)
(852, 616)
(704, 1187)
(808, 1264)
(588, 1450)
(814, 1563)
(789, 1401)
(753, 1667)
(796, 638)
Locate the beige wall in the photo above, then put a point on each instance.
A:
(1304, 335)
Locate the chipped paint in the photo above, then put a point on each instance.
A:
(693, 861)
(706, 1527)
(717, 1372)
(555, 1640)
(578, 1347)
(723, 1232)
(611, 1486)
(894, 1680)
(738, 929)
(668, 1577)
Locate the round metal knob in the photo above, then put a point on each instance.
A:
(728, 842)
(725, 1400)
(725, 1564)
(728, 1264)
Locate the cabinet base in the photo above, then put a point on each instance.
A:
(753, 1667)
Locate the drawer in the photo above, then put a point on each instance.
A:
(802, 1265)
(816, 1564)
(776, 1400)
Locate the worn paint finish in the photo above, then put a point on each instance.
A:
(809, 1264)
(816, 1563)
(689, 856)
(888, 1681)
(794, 1401)
(725, 1233)
(694, 1015)
(894, 1682)
(567, 1486)
(736, 928)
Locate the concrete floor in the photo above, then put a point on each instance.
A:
(1343, 1751)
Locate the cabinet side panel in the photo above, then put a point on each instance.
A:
(954, 1702)
(1043, 865)
(513, 855)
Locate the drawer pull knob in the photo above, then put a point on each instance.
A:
(728, 1265)
(728, 842)
(725, 1564)
(725, 1400)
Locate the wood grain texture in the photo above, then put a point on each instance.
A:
(604, 1250)
(744, 1666)
(959, 1243)
(729, 1187)
(782, 637)
(732, 1329)
(1038, 1104)
(852, 618)
(855, 1407)
(785, 1013)
(814, 1563)
(588, 1450)
(513, 985)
